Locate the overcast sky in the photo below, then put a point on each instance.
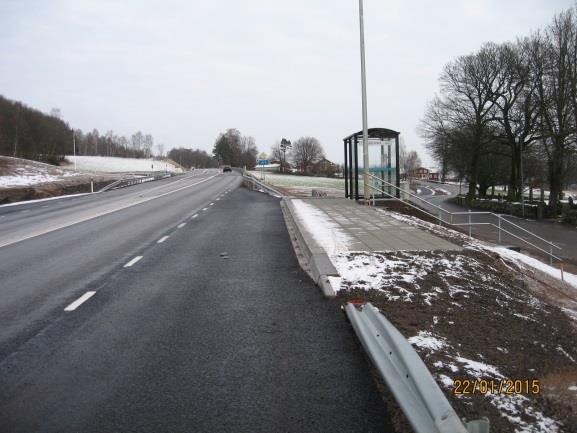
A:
(184, 71)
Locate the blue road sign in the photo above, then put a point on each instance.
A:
(263, 162)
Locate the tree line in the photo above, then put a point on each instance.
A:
(28, 133)
(190, 158)
(507, 113)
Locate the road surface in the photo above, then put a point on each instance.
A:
(173, 306)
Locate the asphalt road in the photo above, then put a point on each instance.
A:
(214, 329)
(558, 233)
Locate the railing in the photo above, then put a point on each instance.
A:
(469, 214)
(414, 388)
(122, 183)
(255, 182)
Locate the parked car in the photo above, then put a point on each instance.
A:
(226, 168)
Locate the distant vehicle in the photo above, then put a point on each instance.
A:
(226, 168)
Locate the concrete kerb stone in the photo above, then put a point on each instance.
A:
(317, 263)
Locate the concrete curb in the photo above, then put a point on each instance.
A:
(312, 258)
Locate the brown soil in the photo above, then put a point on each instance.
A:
(480, 319)
(75, 185)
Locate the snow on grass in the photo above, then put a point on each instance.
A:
(23, 172)
(289, 180)
(110, 164)
(520, 259)
(534, 263)
(517, 408)
(26, 178)
(324, 230)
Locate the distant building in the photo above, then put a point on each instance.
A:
(324, 167)
(420, 173)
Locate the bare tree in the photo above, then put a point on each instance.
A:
(305, 152)
(160, 147)
(552, 55)
(517, 109)
(411, 163)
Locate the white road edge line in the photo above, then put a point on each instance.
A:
(133, 261)
(80, 301)
(162, 239)
(106, 212)
(181, 225)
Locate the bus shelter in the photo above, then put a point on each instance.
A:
(383, 167)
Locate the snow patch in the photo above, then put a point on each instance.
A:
(323, 229)
(530, 261)
(426, 340)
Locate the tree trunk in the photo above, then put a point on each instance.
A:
(555, 182)
(514, 178)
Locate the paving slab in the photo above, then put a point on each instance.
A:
(371, 230)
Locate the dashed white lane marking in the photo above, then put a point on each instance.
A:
(47, 229)
(162, 239)
(195, 215)
(80, 301)
(181, 225)
(212, 204)
(218, 199)
(133, 261)
(44, 205)
(204, 208)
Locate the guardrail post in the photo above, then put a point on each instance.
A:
(470, 234)
(91, 185)
(440, 219)
(499, 218)
(551, 255)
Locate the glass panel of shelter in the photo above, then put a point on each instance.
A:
(381, 165)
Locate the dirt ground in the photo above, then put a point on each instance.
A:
(75, 185)
(484, 309)
(61, 181)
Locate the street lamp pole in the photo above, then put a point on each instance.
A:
(364, 99)
(522, 185)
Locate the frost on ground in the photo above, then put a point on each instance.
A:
(22, 179)
(302, 186)
(109, 164)
(15, 172)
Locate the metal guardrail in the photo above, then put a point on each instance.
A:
(122, 183)
(406, 376)
(262, 185)
(469, 223)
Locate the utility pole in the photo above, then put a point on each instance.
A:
(364, 103)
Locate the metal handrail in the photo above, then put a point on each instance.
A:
(266, 186)
(499, 218)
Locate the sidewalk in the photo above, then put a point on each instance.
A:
(340, 225)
